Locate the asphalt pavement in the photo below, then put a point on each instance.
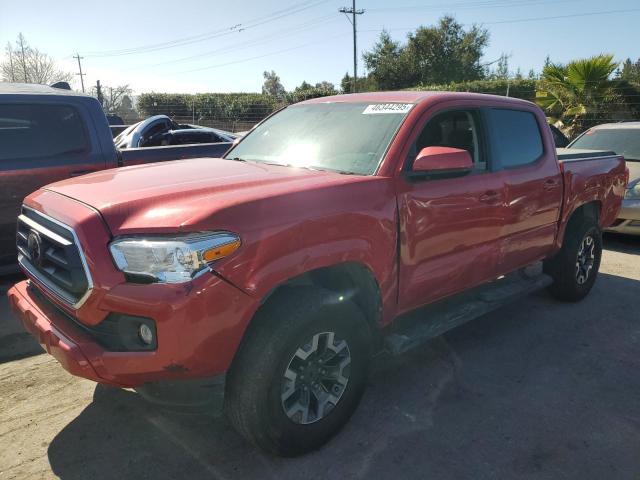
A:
(538, 389)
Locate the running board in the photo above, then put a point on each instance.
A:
(413, 329)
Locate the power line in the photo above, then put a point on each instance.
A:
(242, 45)
(78, 57)
(353, 13)
(521, 20)
(237, 28)
(260, 56)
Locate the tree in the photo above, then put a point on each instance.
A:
(630, 71)
(439, 54)
(272, 85)
(502, 70)
(365, 84)
(581, 93)
(387, 63)
(303, 86)
(446, 53)
(324, 85)
(27, 64)
(115, 99)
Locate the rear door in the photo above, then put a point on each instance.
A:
(40, 143)
(450, 227)
(533, 184)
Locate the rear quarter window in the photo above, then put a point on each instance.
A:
(516, 138)
(39, 131)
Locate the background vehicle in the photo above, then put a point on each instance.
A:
(271, 275)
(161, 130)
(49, 134)
(623, 139)
(559, 138)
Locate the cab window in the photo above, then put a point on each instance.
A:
(515, 137)
(456, 129)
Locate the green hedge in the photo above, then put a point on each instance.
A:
(221, 108)
(525, 88)
(241, 107)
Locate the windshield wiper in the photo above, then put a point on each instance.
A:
(237, 159)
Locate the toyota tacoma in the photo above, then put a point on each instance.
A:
(268, 278)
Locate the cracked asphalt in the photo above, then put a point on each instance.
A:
(538, 389)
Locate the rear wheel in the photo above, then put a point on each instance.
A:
(300, 372)
(575, 267)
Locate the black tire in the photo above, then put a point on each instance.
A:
(254, 400)
(569, 284)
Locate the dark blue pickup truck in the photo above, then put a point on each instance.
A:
(49, 134)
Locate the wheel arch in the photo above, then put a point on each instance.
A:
(349, 280)
(589, 210)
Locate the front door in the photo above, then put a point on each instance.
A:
(450, 227)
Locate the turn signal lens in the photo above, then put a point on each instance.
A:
(217, 253)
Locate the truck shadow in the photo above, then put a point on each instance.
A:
(15, 342)
(536, 388)
(622, 243)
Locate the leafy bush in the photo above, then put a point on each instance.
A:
(521, 88)
(230, 111)
(312, 92)
(209, 108)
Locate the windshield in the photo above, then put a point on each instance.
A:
(623, 141)
(346, 137)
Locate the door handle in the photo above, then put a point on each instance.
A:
(491, 196)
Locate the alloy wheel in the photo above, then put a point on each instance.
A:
(585, 260)
(315, 378)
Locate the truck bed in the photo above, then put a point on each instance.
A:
(576, 154)
(137, 156)
(592, 176)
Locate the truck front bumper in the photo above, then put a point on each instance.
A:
(197, 334)
(59, 339)
(628, 221)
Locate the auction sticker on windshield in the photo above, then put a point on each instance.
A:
(387, 108)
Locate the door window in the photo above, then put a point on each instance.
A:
(516, 139)
(39, 131)
(456, 129)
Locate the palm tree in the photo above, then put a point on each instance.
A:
(580, 94)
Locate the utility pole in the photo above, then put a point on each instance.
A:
(353, 13)
(99, 93)
(78, 57)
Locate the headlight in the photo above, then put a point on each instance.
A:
(633, 191)
(171, 259)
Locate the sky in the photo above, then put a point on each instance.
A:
(212, 46)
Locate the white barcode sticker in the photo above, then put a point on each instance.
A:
(387, 108)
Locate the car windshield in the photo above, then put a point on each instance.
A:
(623, 141)
(345, 137)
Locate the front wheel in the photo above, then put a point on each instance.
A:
(575, 267)
(300, 372)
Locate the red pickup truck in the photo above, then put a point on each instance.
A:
(273, 274)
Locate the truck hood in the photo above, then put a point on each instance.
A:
(186, 194)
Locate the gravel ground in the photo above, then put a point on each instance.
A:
(538, 389)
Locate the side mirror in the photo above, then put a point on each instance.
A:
(442, 160)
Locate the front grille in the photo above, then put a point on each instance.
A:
(48, 250)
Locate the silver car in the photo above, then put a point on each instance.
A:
(623, 139)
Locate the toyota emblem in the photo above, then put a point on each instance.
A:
(34, 247)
